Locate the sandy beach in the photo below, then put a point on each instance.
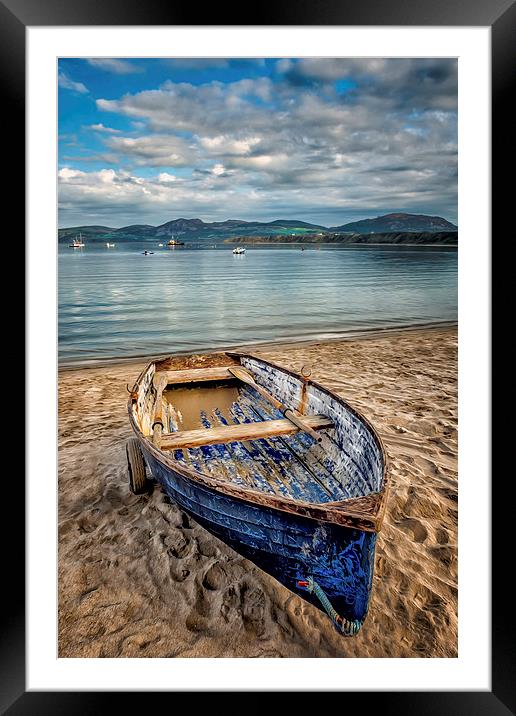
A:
(138, 578)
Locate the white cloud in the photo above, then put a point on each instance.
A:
(122, 196)
(262, 161)
(119, 67)
(153, 150)
(101, 128)
(67, 83)
(66, 173)
(222, 144)
(208, 109)
(107, 176)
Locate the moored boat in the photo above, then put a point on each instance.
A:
(275, 465)
(77, 243)
(239, 250)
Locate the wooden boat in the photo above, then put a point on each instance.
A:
(275, 465)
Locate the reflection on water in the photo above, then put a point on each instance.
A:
(120, 303)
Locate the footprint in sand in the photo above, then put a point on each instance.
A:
(230, 601)
(441, 536)
(179, 575)
(204, 602)
(253, 609)
(177, 545)
(418, 530)
(206, 546)
(215, 577)
(202, 611)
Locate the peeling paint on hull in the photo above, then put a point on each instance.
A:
(288, 547)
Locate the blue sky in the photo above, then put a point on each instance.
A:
(322, 140)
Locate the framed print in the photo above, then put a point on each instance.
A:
(265, 213)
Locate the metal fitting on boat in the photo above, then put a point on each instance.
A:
(132, 391)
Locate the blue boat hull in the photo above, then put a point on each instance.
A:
(290, 547)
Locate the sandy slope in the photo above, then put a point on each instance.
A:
(139, 578)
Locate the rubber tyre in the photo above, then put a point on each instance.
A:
(138, 483)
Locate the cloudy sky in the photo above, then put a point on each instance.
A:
(321, 140)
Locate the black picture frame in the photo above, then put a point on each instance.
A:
(15, 16)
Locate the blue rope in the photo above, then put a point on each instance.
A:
(347, 627)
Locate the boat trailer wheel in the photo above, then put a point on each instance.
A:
(138, 483)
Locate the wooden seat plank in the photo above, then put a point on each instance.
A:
(193, 375)
(244, 431)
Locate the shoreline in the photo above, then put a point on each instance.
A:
(294, 341)
(339, 243)
(139, 578)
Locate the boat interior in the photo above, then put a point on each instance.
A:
(210, 420)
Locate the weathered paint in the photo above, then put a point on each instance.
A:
(356, 456)
(144, 400)
(296, 508)
(289, 547)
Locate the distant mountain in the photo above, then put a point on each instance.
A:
(218, 230)
(190, 229)
(397, 222)
(180, 226)
(198, 228)
(84, 230)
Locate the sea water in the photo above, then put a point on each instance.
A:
(118, 303)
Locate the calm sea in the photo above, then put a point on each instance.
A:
(118, 303)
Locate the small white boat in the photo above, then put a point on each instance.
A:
(109, 246)
(239, 250)
(160, 244)
(147, 253)
(77, 243)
